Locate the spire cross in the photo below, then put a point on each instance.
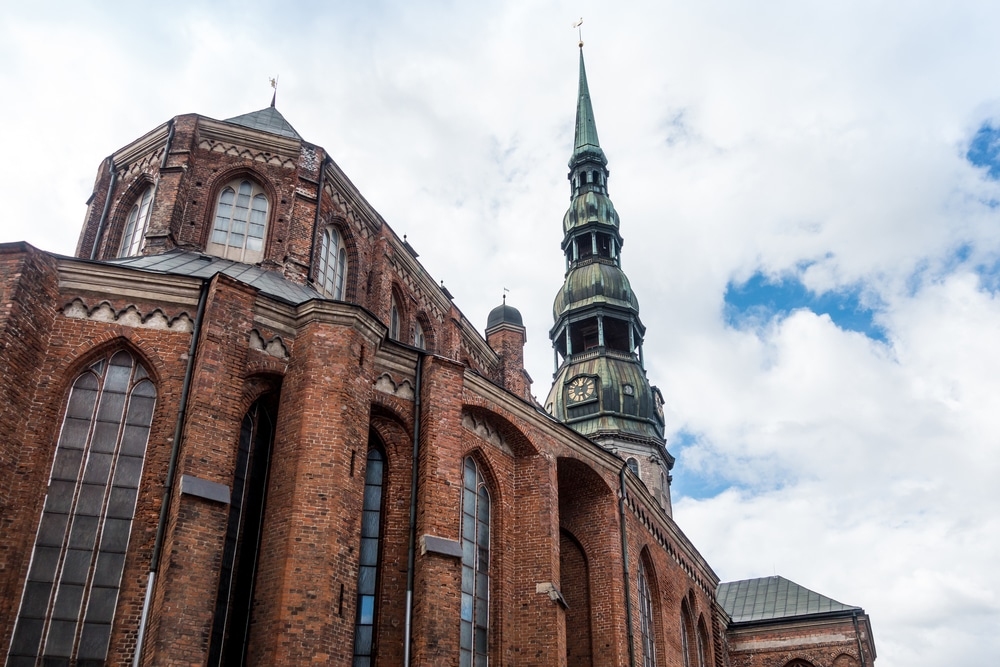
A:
(579, 29)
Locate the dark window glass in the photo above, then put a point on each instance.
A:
(646, 616)
(371, 525)
(241, 548)
(79, 501)
(475, 615)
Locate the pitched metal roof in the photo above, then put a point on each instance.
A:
(184, 263)
(268, 120)
(770, 598)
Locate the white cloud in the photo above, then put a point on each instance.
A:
(741, 137)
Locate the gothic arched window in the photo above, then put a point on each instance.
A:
(332, 264)
(475, 567)
(419, 339)
(135, 226)
(646, 618)
(394, 320)
(633, 465)
(702, 644)
(70, 595)
(240, 222)
(371, 534)
(685, 642)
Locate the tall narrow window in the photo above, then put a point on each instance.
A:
(69, 598)
(685, 643)
(418, 336)
(240, 222)
(633, 465)
(646, 617)
(393, 320)
(135, 227)
(332, 264)
(475, 567)
(702, 645)
(241, 549)
(371, 531)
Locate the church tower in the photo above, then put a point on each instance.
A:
(600, 387)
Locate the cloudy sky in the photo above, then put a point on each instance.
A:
(809, 198)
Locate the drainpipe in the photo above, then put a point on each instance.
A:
(411, 551)
(628, 597)
(171, 472)
(319, 197)
(857, 635)
(107, 205)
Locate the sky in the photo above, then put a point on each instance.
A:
(809, 194)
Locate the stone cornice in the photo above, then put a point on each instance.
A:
(77, 275)
(248, 137)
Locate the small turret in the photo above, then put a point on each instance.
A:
(505, 333)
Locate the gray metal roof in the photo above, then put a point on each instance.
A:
(267, 120)
(769, 598)
(183, 263)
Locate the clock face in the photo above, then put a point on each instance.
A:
(581, 389)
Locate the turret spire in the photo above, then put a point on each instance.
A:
(587, 146)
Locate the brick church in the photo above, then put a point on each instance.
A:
(244, 426)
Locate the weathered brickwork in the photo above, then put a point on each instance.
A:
(340, 381)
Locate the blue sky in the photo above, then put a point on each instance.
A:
(808, 194)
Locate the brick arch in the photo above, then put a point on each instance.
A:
(574, 584)
(122, 337)
(705, 640)
(392, 429)
(512, 435)
(430, 336)
(398, 296)
(845, 660)
(257, 385)
(118, 216)
(219, 180)
(689, 641)
(799, 662)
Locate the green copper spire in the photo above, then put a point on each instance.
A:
(587, 146)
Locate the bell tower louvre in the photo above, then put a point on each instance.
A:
(600, 387)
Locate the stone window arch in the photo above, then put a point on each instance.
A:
(476, 522)
(136, 224)
(71, 593)
(240, 226)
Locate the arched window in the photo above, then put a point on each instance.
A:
(646, 616)
(241, 549)
(418, 336)
(368, 564)
(633, 465)
(685, 643)
(332, 264)
(394, 323)
(240, 222)
(70, 595)
(702, 644)
(135, 227)
(475, 567)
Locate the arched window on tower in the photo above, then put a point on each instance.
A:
(240, 222)
(475, 567)
(70, 596)
(369, 558)
(136, 224)
(633, 465)
(332, 272)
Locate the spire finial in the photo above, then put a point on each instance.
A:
(274, 84)
(505, 290)
(579, 30)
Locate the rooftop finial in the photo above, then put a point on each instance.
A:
(579, 30)
(505, 290)
(274, 84)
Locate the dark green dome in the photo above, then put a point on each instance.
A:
(592, 283)
(590, 207)
(504, 314)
